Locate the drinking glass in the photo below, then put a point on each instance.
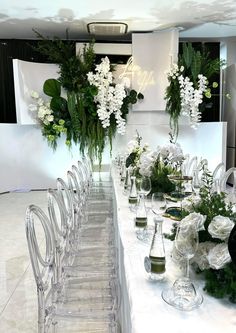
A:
(182, 295)
(186, 242)
(145, 186)
(158, 203)
(196, 183)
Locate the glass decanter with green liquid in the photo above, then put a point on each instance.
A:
(157, 252)
(141, 214)
(127, 180)
(133, 196)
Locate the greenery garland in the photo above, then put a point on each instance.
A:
(76, 114)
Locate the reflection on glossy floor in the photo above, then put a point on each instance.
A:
(18, 301)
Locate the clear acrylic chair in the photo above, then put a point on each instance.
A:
(190, 166)
(217, 175)
(95, 187)
(91, 245)
(89, 313)
(89, 255)
(228, 184)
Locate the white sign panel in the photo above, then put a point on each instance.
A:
(152, 56)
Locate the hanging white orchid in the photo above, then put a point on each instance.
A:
(110, 97)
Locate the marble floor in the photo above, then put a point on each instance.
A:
(18, 301)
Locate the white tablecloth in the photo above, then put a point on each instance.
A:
(142, 307)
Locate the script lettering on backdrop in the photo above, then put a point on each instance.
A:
(143, 77)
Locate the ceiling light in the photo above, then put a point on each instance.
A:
(107, 28)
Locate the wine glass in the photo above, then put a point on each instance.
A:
(186, 242)
(183, 295)
(158, 203)
(196, 183)
(145, 185)
(145, 188)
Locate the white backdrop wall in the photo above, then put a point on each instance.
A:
(28, 163)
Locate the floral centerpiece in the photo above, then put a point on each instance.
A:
(84, 104)
(190, 86)
(214, 220)
(158, 164)
(134, 152)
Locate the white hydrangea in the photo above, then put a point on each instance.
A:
(109, 98)
(171, 153)
(44, 113)
(147, 160)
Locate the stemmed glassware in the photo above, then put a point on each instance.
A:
(196, 183)
(145, 186)
(182, 295)
(158, 203)
(186, 243)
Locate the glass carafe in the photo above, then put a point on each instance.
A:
(133, 196)
(141, 218)
(157, 252)
(127, 181)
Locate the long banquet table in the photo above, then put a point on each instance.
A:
(142, 307)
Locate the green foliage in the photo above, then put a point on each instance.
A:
(194, 63)
(159, 178)
(52, 88)
(78, 112)
(222, 283)
(211, 205)
(130, 160)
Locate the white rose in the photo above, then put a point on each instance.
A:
(219, 256)
(195, 219)
(220, 227)
(200, 257)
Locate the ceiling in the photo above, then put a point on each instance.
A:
(69, 18)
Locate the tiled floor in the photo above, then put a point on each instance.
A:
(18, 301)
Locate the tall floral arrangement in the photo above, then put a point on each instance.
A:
(190, 85)
(84, 103)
